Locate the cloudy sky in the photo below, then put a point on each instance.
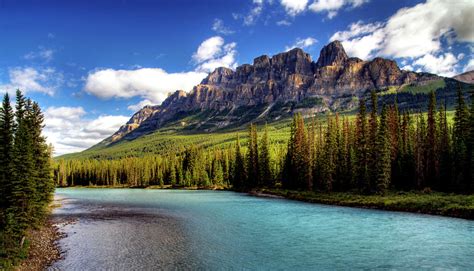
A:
(92, 64)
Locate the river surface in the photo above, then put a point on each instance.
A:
(138, 229)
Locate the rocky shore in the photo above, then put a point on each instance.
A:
(44, 248)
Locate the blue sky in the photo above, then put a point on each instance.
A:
(91, 64)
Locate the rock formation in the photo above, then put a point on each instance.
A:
(289, 77)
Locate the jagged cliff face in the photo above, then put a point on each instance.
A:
(333, 80)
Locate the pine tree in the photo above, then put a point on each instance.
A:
(432, 162)
(372, 148)
(44, 185)
(420, 152)
(253, 168)
(383, 161)
(330, 156)
(470, 149)
(460, 129)
(266, 175)
(361, 148)
(297, 169)
(445, 153)
(6, 154)
(239, 175)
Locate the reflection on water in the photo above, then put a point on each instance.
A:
(133, 229)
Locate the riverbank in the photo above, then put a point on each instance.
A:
(214, 187)
(453, 205)
(43, 248)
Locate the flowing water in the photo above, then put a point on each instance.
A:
(138, 229)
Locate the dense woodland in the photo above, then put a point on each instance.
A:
(381, 149)
(26, 176)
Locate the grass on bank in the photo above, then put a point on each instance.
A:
(454, 205)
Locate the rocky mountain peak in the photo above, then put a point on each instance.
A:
(332, 54)
(282, 84)
(218, 76)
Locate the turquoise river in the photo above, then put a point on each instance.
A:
(140, 229)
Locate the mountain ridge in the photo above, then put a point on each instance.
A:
(265, 88)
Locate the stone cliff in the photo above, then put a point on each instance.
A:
(330, 83)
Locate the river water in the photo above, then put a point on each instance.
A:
(139, 229)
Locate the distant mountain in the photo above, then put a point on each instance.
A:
(277, 86)
(467, 77)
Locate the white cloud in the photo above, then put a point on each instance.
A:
(283, 22)
(29, 79)
(415, 33)
(43, 54)
(302, 43)
(254, 14)
(68, 130)
(149, 83)
(139, 105)
(444, 64)
(469, 66)
(418, 30)
(220, 28)
(294, 7)
(214, 53)
(209, 49)
(154, 84)
(332, 7)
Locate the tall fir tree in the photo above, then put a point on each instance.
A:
(266, 175)
(361, 149)
(253, 168)
(239, 175)
(460, 130)
(6, 155)
(383, 161)
(432, 161)
(445, 152)
(372, 146)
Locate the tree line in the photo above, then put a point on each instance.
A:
(379, 150)
(26, 177)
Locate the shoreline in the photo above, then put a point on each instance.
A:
(417, 203)
(435, 203)
(44, 249)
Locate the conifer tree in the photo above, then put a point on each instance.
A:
(470, 149)
(383, 161)
(6, 154)
(266, 175)
(420, 152)
(460, 130)
(253, 168)
(372, 148)
(362, 155)
(432, 163)
(445, 153)
(239, 175)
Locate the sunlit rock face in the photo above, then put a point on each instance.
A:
(333, 80)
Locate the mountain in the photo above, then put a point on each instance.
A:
(277, 86)
(467, 77)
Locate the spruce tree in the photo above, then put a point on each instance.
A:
(432, 161)
(361, 148)
(239, 175)
(266, 175)
(445, 153)
(372, 148)
(460, 130)
(253, 168)
(330, 156)
(6, 155)
(383, 161)
(470, 149)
